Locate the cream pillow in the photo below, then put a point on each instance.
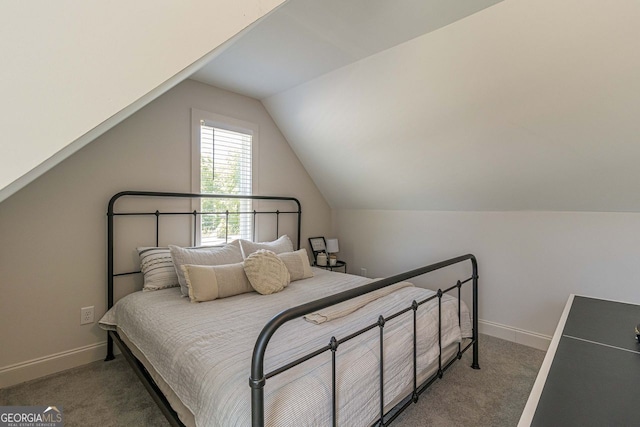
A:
(281, 245)
(297, 263)
(209, 282)
(218, 255)
(266, 272)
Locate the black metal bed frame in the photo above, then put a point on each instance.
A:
(257, 379)
(113, 336)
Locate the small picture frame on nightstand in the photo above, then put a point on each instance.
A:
(318, 244)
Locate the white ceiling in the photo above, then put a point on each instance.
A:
(83, 67)
(525, 105)
(304, 39)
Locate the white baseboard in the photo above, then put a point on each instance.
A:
(47, 365)
(520, 336)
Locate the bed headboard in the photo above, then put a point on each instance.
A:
(159, 205)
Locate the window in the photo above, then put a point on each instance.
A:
(223, 165)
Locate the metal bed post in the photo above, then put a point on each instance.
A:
(459, 286)
(110, 355)
(333, 344)
(253, 228)
(414, 308)
(157, 227)
(440, 373)
(474, 263)
(381, 322)
(195, 227)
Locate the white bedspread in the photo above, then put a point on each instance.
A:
(204, 350)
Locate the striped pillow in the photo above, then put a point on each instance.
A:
(157, 268)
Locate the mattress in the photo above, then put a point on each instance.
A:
(203, 351)
(185, 415)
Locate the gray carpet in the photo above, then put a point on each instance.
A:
(494, 395)
(110, 394)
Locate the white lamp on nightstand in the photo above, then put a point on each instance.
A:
(332, 248)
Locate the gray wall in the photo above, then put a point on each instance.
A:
(529, 262)
(490, 113)
(53, 232)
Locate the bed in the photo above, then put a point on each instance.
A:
(332, 349)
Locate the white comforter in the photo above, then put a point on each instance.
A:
(204, 351)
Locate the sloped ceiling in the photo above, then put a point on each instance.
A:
(71, 70)
(307, 38)
(526, 105)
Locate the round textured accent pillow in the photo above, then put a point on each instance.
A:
(266, 272)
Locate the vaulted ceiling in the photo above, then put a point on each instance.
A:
(305, 39)
(519, 106)
(415, 104)
(72, 70)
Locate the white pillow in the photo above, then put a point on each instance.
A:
(297, 263)
(281, 245)
(266, 272)
(157, 268)
(220, 255)
(209, 282)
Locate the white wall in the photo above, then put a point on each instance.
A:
(529, 262)
(70, 70)
(53, 232)
(525, 105)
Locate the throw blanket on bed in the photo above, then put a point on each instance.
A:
(203, 351)
(347, 307)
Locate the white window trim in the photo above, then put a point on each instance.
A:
(225, 122)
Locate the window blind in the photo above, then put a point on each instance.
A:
(225, 157)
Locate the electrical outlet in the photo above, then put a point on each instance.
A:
(86, 315)
(363, 272)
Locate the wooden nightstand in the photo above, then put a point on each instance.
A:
(339, 264)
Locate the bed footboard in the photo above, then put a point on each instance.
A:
(258, 378)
